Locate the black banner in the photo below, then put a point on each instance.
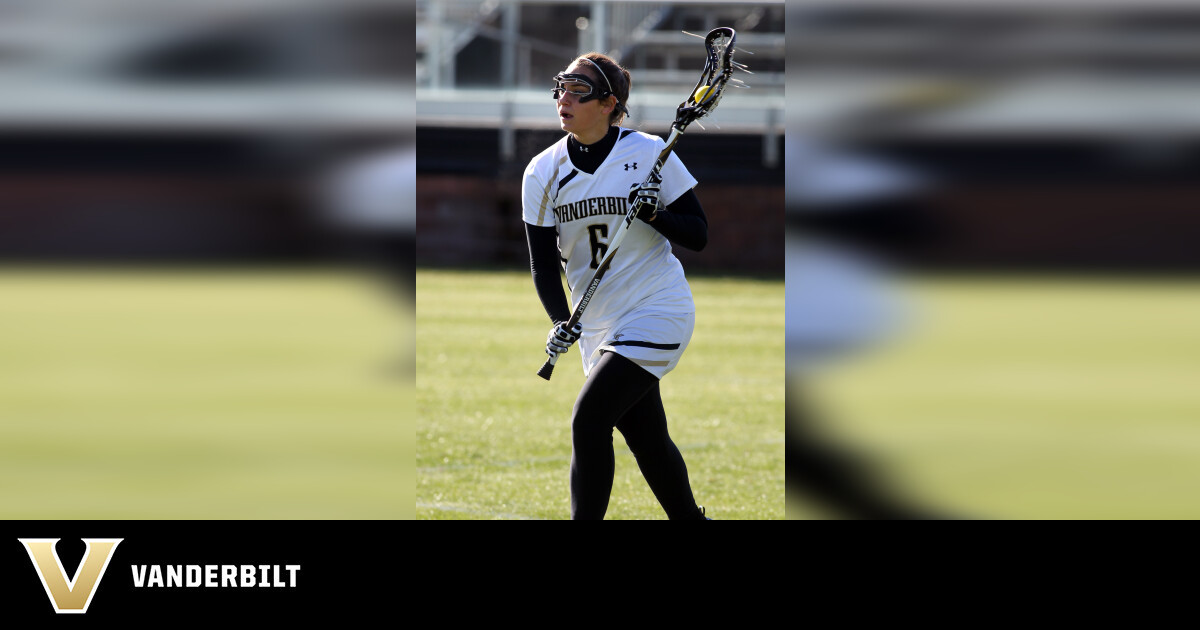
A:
(231, 571)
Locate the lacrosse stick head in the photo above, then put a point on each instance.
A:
(718, 66)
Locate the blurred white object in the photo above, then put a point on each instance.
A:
(376, 193)
(820, 177)
(838, 300)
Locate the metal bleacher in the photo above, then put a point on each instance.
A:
(486, 64)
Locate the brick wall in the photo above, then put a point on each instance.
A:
(476, 221)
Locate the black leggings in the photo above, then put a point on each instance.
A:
(823, 471)
(620, 394)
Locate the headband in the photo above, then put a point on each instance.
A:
(605, 77)
(602, 75)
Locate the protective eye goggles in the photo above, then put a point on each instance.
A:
(579, 85)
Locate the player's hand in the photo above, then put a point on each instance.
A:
(645, 194)
(561, 338)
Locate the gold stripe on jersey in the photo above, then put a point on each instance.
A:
(546, 193)
(608, 347)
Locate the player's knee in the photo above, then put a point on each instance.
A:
(647, 449)
(590, 425)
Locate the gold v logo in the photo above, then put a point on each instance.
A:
(74, 595)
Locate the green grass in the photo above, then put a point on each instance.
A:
(493, 439)
(272, 394)
(1035, 398)
(233, 394)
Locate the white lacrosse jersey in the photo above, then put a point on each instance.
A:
(587, 209)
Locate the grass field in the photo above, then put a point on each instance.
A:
(273, 394)
(1035, 398)
(233, 394)
(493, 439)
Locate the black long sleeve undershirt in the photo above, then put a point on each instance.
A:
(683, 222)
(544, 263)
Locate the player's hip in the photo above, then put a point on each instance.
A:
(654, 339)
(666, 295)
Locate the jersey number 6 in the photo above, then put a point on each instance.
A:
(599, 247)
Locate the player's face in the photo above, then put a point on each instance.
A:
(588, 121)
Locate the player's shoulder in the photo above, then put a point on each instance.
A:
(548, 158)
(635, 136)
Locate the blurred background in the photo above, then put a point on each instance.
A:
(991, 264)
(493, 439)
(206, 241)
(991, 286)
(484, 72)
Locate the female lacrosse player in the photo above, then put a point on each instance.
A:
(640, 319)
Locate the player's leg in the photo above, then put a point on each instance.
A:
(613, 386)
(833, 476)
(644, 427)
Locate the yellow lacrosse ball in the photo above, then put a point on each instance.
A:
(701, 92)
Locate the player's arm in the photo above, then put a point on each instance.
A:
(544, 264)
(683, 222)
